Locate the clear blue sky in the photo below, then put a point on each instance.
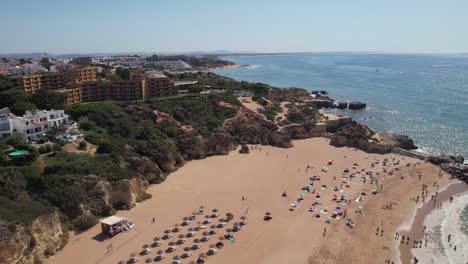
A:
(86, 26)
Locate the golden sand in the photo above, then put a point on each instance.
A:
(261, 177)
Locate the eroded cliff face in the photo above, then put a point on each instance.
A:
(123, 194)
(30, 243)
(198, 147)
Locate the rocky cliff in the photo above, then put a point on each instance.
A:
(30, 243)
(122, 194)
(358, 136)
(247, 127)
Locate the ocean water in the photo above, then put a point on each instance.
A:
(422, 96)
(454, 223)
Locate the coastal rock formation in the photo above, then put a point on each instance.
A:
(334, 122)
(198, 147)
(128, 192)
(305, 130)
(31, 243)
(123, 194)
(457, 170)
(342, 105)
(323, 102)
(443, 158)
(149, 169)
(399, 141)
(247, 127)
(358, 136)
(356, 105)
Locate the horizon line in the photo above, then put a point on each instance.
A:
(227, 53)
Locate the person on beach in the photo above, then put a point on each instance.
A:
(153, 220)
(324, 231)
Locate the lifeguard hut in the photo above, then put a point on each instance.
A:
(113, 225)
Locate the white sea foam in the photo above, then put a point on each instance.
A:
(451, 224)
(442, 65)
(423, 150)
(254, 66)
(441, 223)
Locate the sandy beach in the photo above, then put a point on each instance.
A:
(252, 184)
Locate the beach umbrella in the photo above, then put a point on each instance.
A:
(160, 252)
(349, 220)
(195, 246)
(215, 210)
(156, 239)
(267, 213)
(156, 244)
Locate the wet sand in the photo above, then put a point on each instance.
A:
(416, 231)
(291, 236)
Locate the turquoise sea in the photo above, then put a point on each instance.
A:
(422, 96)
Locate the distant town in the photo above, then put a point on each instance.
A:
(86, 79)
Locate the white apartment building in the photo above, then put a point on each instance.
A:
(6, 127)
(33, 126)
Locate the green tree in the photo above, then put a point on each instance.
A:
(124, 73)
(12, 183)
(195, 89)
(10, 97)
(20, 107)
(46, 99)
(5, 83)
